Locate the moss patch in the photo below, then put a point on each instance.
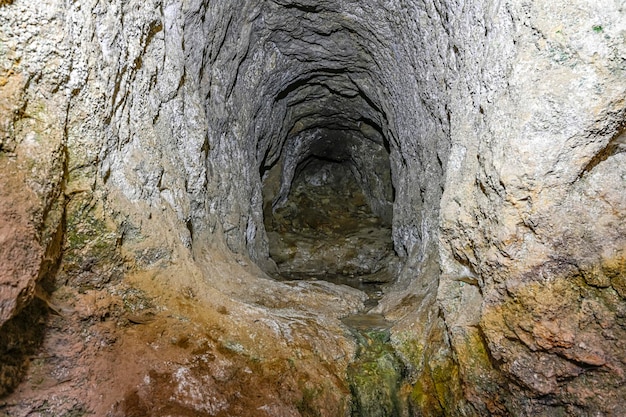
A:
(91, 249)
(375, 377)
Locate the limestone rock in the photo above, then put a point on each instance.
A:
(150, 136)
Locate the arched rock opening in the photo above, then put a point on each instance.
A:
(302, 82)
(144, 145)
(328, 195)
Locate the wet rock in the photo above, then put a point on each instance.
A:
(327, 229)
(157, 135)
(375, 376)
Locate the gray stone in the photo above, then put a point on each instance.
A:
(489, 134)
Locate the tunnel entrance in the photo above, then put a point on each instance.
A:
(325, 168)
(326, 229)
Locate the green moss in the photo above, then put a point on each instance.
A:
(375, 377)
(445, 375)
(473, 357)
(307, 404)
(433, 387)
(422, 399)
(91, 253)
(410, 349)
(82, 228)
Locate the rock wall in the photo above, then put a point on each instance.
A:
(33, 152)
(531, 245)
(152, 105)
(139, 134)
(533, 208)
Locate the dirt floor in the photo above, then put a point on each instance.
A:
(326, 230)
(143, 348)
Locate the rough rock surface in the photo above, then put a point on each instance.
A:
(32, 154)
(326, 228)
(533, 209)
(141, 137)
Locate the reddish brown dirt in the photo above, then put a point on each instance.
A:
(20, 251)
(140, 349)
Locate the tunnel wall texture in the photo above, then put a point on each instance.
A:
(139, 131)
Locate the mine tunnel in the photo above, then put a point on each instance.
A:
(328, 199)
(312, 208)
(329, 154)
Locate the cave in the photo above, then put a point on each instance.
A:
(312, 208)
(328, 196)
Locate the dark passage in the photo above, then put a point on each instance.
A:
(326, 229)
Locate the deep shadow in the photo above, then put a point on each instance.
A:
(327, 231)
(22, 336)
(20, 339)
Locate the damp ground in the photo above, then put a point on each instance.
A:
(327, 231)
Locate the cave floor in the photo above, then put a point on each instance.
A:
(140, 347)
(327, 231)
